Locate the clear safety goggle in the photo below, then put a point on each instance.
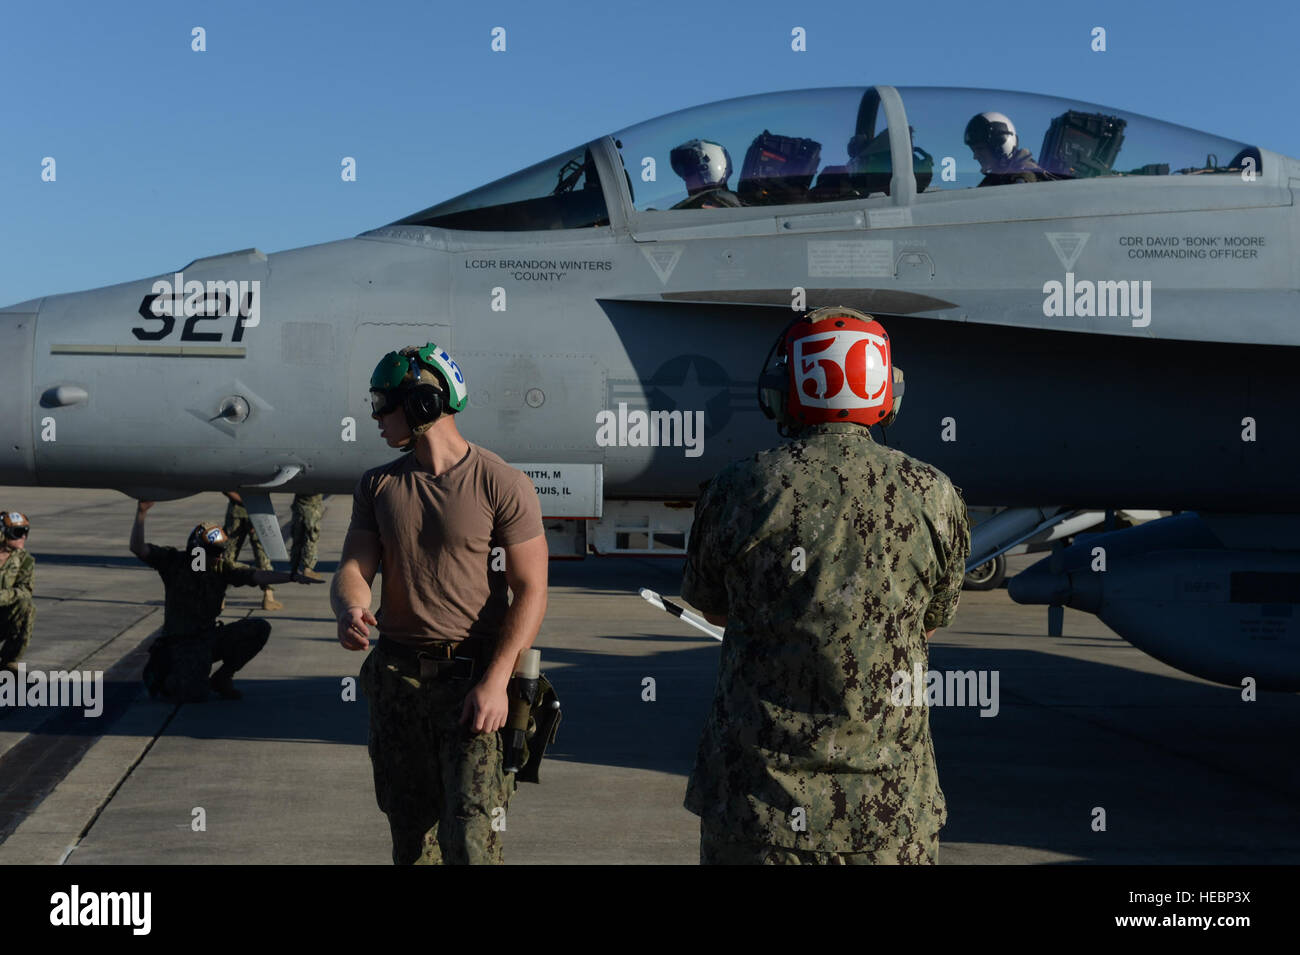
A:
(384, 402)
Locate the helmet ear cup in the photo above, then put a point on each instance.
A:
(897, 406)
(423, 404)
(774, 379)
(773, 387)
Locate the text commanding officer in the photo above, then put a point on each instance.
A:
(436, 681)
(830, 560)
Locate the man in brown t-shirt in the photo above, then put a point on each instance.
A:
(452, 525)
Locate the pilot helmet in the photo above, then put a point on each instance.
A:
(210, 537)
(833, 364)
(425, 382)
(703, 164)
(991, 135)
(15, 525)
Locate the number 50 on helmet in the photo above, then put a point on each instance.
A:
(833, 364)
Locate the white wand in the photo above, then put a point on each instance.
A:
(694, 619)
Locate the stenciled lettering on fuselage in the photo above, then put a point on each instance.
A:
(540, 270)
(195, 301)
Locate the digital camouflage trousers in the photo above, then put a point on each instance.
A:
(718, 847)
(442, 785)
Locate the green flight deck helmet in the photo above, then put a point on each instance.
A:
(425, 383)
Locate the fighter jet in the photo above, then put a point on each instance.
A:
(1102, 324)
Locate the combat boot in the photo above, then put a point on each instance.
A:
(222, 686)
(269, 602)
(311, 575)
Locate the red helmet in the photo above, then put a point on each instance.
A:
(833, 364)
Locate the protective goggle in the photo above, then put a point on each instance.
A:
(13, 533)
(384, 402)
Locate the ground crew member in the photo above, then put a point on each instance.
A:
(192, 639)
(239, 527)
(993, 141)
(829, 560)
(307, 510)
(440, 519)
(17, 612)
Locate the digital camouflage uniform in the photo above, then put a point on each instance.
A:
(17, 612)
(239, 527)
(192, 639)
(440, 810)
(804, 757)
(307, 510)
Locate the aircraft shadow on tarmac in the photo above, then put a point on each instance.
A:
(1185, 771)
(612, 574)
(86, 560)
(130, 560)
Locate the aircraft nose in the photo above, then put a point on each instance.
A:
(17, 344)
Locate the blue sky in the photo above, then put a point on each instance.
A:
(164, 154)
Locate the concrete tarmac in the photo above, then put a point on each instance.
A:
(1087, 729)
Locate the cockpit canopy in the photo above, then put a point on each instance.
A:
(830, 145)
(562, 192)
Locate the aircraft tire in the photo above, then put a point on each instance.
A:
(987, 576)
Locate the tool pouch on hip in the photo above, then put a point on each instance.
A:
(543, 724)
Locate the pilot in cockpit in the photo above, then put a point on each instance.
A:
(992, 138)
(705, 167)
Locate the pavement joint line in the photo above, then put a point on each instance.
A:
(121, 781)
(103, 803)
(98, 650)
(95, 600)
(25, 760)
(113, 639)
